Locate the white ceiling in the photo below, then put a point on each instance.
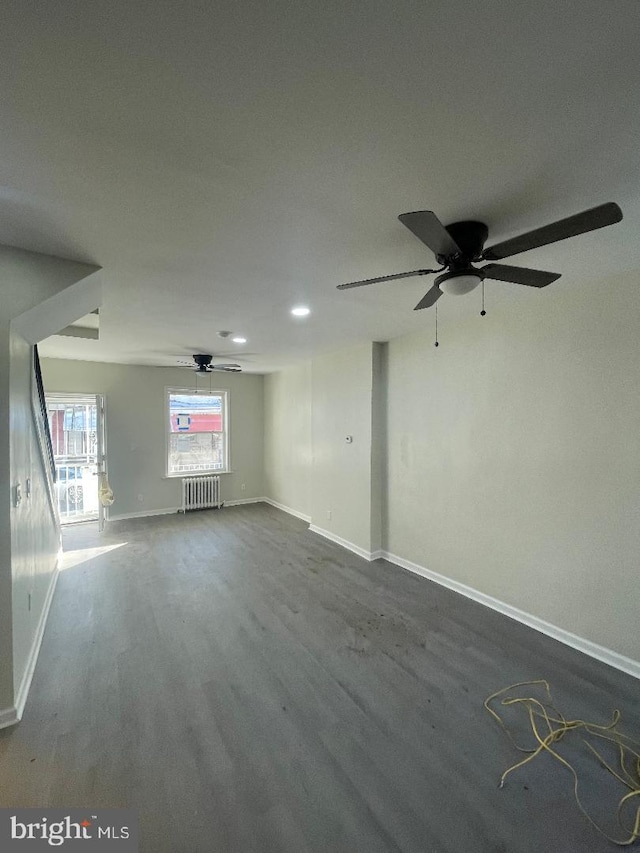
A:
(225, 161)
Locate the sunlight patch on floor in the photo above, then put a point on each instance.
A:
(70, 559)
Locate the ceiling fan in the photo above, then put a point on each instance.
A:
(202, 365)
(459, 245)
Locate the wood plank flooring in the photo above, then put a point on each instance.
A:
(250, 687)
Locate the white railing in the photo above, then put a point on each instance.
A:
(43, 436)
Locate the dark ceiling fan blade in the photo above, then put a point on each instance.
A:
(384, 278)
(430, 298)
(427, 227)
(588, 220)
(519, 275)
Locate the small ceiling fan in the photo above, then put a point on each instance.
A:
(202, 365)
(459, 245)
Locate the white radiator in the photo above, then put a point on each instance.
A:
(200, 492)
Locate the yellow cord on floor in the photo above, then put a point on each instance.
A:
(543, 714)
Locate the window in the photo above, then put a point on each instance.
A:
(197, 430)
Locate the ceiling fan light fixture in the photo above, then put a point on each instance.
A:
(459, 282)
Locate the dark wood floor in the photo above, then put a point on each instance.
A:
(250, 687)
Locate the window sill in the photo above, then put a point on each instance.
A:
(194, 474)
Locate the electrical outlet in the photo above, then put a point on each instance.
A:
(140, 498)
(328, 515)
(29, 601)
(243, 487)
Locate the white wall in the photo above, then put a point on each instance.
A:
(309, 466)
(28, 533)
(514, 455)
(35, 532)
(136, 424)
(341, 475)
(288, 453)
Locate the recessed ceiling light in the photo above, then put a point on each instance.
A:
(239, 340)
(300, 311)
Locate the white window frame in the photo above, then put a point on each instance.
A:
(221, 392)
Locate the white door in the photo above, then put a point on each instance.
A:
(75, 422)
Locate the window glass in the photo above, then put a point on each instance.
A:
(197, 433)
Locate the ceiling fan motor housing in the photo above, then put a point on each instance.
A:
(470, 236)
(461, 277)
(203, 361)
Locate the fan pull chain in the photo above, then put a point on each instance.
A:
(436, 343)
(483, 312)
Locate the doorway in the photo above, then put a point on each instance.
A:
(77, 437)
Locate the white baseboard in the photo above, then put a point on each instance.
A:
(608, 656)
(8, 717)
(25, 684)
(288, 509)
(361, 552)
(242, 501)
(144, 513)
